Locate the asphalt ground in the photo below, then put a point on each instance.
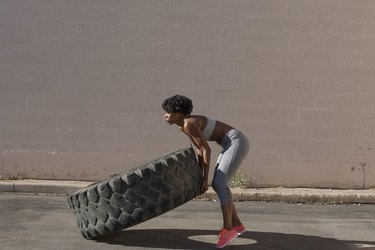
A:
(46, 222)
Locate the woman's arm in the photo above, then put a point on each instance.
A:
(191, 128)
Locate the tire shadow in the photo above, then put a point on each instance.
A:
(206, 239)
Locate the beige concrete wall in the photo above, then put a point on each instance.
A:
(82, 82)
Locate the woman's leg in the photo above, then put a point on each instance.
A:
(228, 163)
(219, 184)
(227, 211)
(235, 219)
(230, 216)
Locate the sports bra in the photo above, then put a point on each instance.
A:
(209, 129)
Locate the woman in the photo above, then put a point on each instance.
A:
(201, 129)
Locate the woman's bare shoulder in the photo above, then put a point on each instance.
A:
(194, 122)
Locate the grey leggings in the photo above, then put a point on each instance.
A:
(235, 147)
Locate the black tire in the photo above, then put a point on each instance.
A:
(138, 195)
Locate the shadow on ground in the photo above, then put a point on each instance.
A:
(206, 239)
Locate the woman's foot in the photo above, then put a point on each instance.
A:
(225, 237)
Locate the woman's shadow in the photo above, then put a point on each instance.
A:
(206, 239)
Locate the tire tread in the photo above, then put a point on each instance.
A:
(127, 199)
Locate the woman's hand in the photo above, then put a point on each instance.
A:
(204, 187)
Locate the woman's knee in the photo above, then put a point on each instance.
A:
(215, 185)
(219, 180)
(221, 188)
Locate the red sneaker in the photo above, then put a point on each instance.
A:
(225, 237)
(240, 229)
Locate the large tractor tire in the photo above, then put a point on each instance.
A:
(138, 195)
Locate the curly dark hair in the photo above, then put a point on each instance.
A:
(178, 104)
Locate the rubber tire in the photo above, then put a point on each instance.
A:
(138, 195)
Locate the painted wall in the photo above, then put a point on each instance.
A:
(82, 83)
